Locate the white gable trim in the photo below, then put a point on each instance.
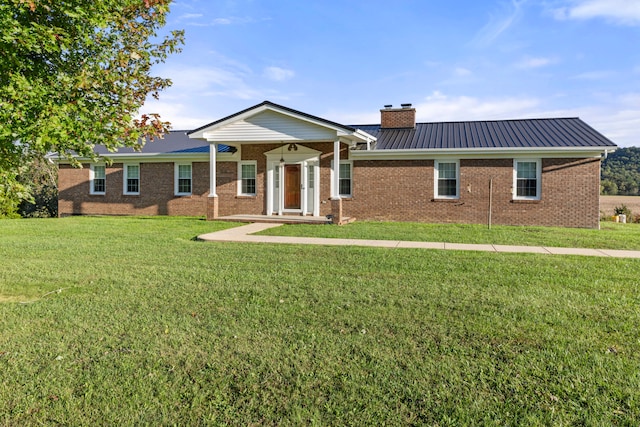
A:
(215, 133)
(269, 126)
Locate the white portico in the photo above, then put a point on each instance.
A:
(292, 180)
(279, 153)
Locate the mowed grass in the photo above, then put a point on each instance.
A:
(610, 236)
(154, 328)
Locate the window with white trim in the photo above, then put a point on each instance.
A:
(247, 178)
(131, 182)
(183, 181)
(345, 180)
(97, 179)
(447, 179)
(526, 179)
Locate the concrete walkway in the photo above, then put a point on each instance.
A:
(245, 234)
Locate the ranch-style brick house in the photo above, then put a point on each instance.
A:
(275, 161)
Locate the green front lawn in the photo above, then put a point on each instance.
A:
(152, 327)
(610, 236)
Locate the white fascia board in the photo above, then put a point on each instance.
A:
(364, 136)
(565, 152)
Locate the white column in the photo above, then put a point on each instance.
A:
(270, 188)
(303, 187)
(316, 189)
(336, 170)
(213, 152)
(281, 189)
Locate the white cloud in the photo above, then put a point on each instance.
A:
(186, 16)
(595, 75)
(231, 20)
(500, 23)
(630, 99)
(181, 116)
(462, 72)
(624, 12)
(200, 79)
(278, 74)
(222, 21)
(531, 62)
(620, 126)
(440, 107)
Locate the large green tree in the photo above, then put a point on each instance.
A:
(621, 172)
(74, 74)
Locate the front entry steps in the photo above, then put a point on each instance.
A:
(282, 219)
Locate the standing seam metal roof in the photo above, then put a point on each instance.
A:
(522, 133)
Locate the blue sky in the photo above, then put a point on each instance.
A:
(452, 59)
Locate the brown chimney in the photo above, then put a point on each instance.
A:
(397, 118)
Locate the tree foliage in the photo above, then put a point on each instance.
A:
(621, 172)
(42, 176)
(75, 74)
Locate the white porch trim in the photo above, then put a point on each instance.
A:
(213, 151)
(305, 157)
(335, 171)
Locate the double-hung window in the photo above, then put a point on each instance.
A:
(98, 179)
(526, 177)
(247, 181)
(131, 179)
(344, 183)
(183, 179)
(345, 179)
(447, 179)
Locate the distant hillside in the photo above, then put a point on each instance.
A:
(620, 173)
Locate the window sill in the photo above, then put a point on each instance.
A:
(526, 201)
(131, 195)
(246, 196)
(182, 195)
(97, 194)
(442, 200)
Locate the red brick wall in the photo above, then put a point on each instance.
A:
(404, 191)
(398, 190)
(156, 192)
(157, 187)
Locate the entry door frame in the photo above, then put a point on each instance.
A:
(309, 197)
